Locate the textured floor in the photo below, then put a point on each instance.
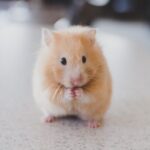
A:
(126, 125)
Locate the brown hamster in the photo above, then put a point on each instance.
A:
(71, 76)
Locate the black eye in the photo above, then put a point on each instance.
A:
(83, 59)
(63, 61)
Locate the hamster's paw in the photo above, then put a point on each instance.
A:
(69, 94)
(49, 119)
(93, 124)
(78, 92)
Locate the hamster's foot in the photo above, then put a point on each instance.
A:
(49, 119)
(93, 124)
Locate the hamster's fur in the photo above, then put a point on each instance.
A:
(71, 76)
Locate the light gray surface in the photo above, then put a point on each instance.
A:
(126, 125)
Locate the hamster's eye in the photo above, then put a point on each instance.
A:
(83, 59)
(63, 61)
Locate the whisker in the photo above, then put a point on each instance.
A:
(57, 91)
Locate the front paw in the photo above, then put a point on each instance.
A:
(78, 93)
(69, 94)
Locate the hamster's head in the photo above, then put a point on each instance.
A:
(72, 55)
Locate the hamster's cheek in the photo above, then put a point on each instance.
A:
(58, 74)
(85, 79)
(66, 82)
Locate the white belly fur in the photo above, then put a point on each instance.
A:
(42, 99)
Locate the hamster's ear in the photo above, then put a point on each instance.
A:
(56, 36)
(91, 35)
(92, 32)
(46, 37)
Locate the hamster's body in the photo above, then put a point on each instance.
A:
(71, 76)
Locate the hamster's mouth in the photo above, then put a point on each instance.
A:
(84, 85)
(72, 87)
(75, 87)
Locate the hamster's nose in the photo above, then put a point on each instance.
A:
(76, 81)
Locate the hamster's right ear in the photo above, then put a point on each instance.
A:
(46, 37)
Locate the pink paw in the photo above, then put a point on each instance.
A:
(49, 119)
(69, 94)
(72, 93)
(93, 124)
(78, 92)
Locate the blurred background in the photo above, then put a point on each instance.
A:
(73, 12)
(123, 31)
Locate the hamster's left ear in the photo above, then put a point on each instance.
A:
(46, 37)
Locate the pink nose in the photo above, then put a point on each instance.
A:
(76, 81)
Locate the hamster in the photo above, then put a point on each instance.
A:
(71, 76)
